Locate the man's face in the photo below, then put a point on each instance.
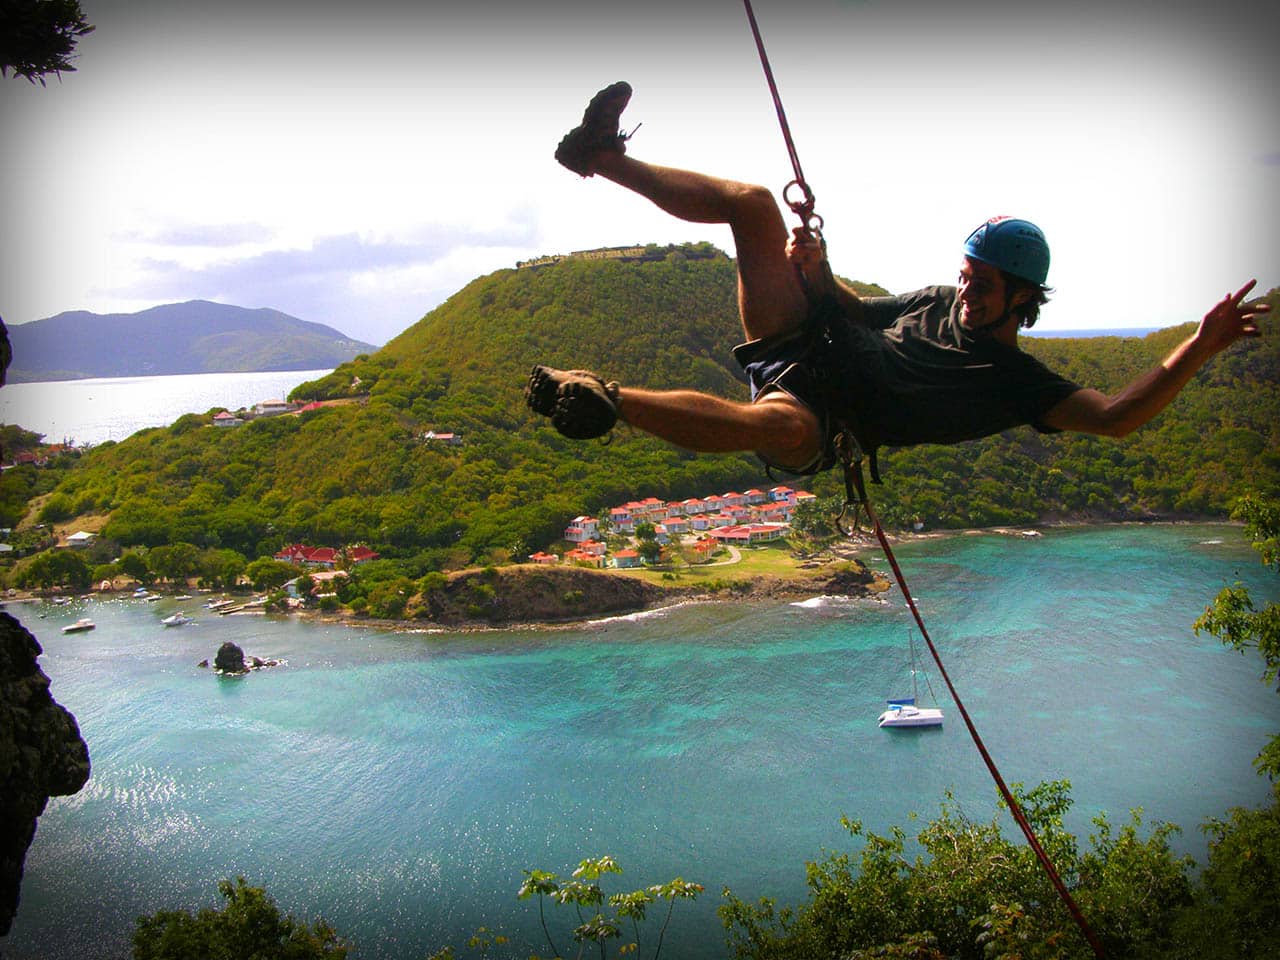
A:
(981, 293)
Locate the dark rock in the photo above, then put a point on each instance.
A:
(42, 755)
(230, 659)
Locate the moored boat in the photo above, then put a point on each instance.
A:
(903, 711)
(80, 626)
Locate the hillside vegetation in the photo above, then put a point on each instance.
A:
(361, 472)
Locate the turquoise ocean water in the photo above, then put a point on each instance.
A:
(112, 408)
(397, 783)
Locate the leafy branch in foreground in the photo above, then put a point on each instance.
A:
(971, 893)
(1235, 620)
(248, 925)
(38, 37)
(585, 894)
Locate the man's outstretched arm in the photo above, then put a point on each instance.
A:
(1090, 411)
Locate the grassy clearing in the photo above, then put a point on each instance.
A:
(766, 560)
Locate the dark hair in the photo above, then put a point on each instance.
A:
(1027, 312)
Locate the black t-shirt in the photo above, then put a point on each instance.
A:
(914, 375)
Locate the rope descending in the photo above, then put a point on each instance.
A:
(851, 456)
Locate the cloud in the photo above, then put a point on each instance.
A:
(369, 289)
(203, 235)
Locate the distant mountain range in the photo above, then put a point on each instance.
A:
(194, 337)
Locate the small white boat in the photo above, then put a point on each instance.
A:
(903, 711)
(80, 626)
(178, 619)
(219, 604)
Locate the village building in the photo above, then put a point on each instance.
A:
(627, 559)
(323, 583)
(620, 518)
(272, 408)
(325, 557)
(703, 548)
(749, 534)
(226, 419)
(446, 437)
(677, 525)
(782, 495)
(582, 529)
(770, 513)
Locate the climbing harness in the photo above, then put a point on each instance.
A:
(850, 455)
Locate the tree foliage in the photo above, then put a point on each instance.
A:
(604, 917)
(1237, 622)
(55, 568)
(249, 925)
(970, 893)
(39, 37)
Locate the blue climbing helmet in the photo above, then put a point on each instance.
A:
(1015, 246)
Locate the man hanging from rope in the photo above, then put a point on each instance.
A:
(940, 365)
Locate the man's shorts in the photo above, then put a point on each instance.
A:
(789, 363)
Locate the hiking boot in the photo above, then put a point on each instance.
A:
(540, 391)
(598, 133)
(581, 405)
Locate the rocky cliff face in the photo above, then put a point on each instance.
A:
(42, 755)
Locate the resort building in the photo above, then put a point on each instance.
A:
(582, 529)
(272, 408)
(749, 534)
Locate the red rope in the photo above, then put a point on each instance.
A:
(1014, 807)
(804, 209)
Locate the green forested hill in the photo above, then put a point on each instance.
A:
(361, 472)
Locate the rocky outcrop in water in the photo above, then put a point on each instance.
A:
(230, 659)
(42, 755)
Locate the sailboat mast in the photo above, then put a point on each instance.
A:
(911, 645)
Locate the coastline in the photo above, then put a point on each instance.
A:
(521, 597)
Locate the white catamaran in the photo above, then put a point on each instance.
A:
(903, 712)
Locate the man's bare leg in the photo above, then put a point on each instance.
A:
(777, 427)
(771, 299)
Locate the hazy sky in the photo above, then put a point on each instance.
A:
(354, 164)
